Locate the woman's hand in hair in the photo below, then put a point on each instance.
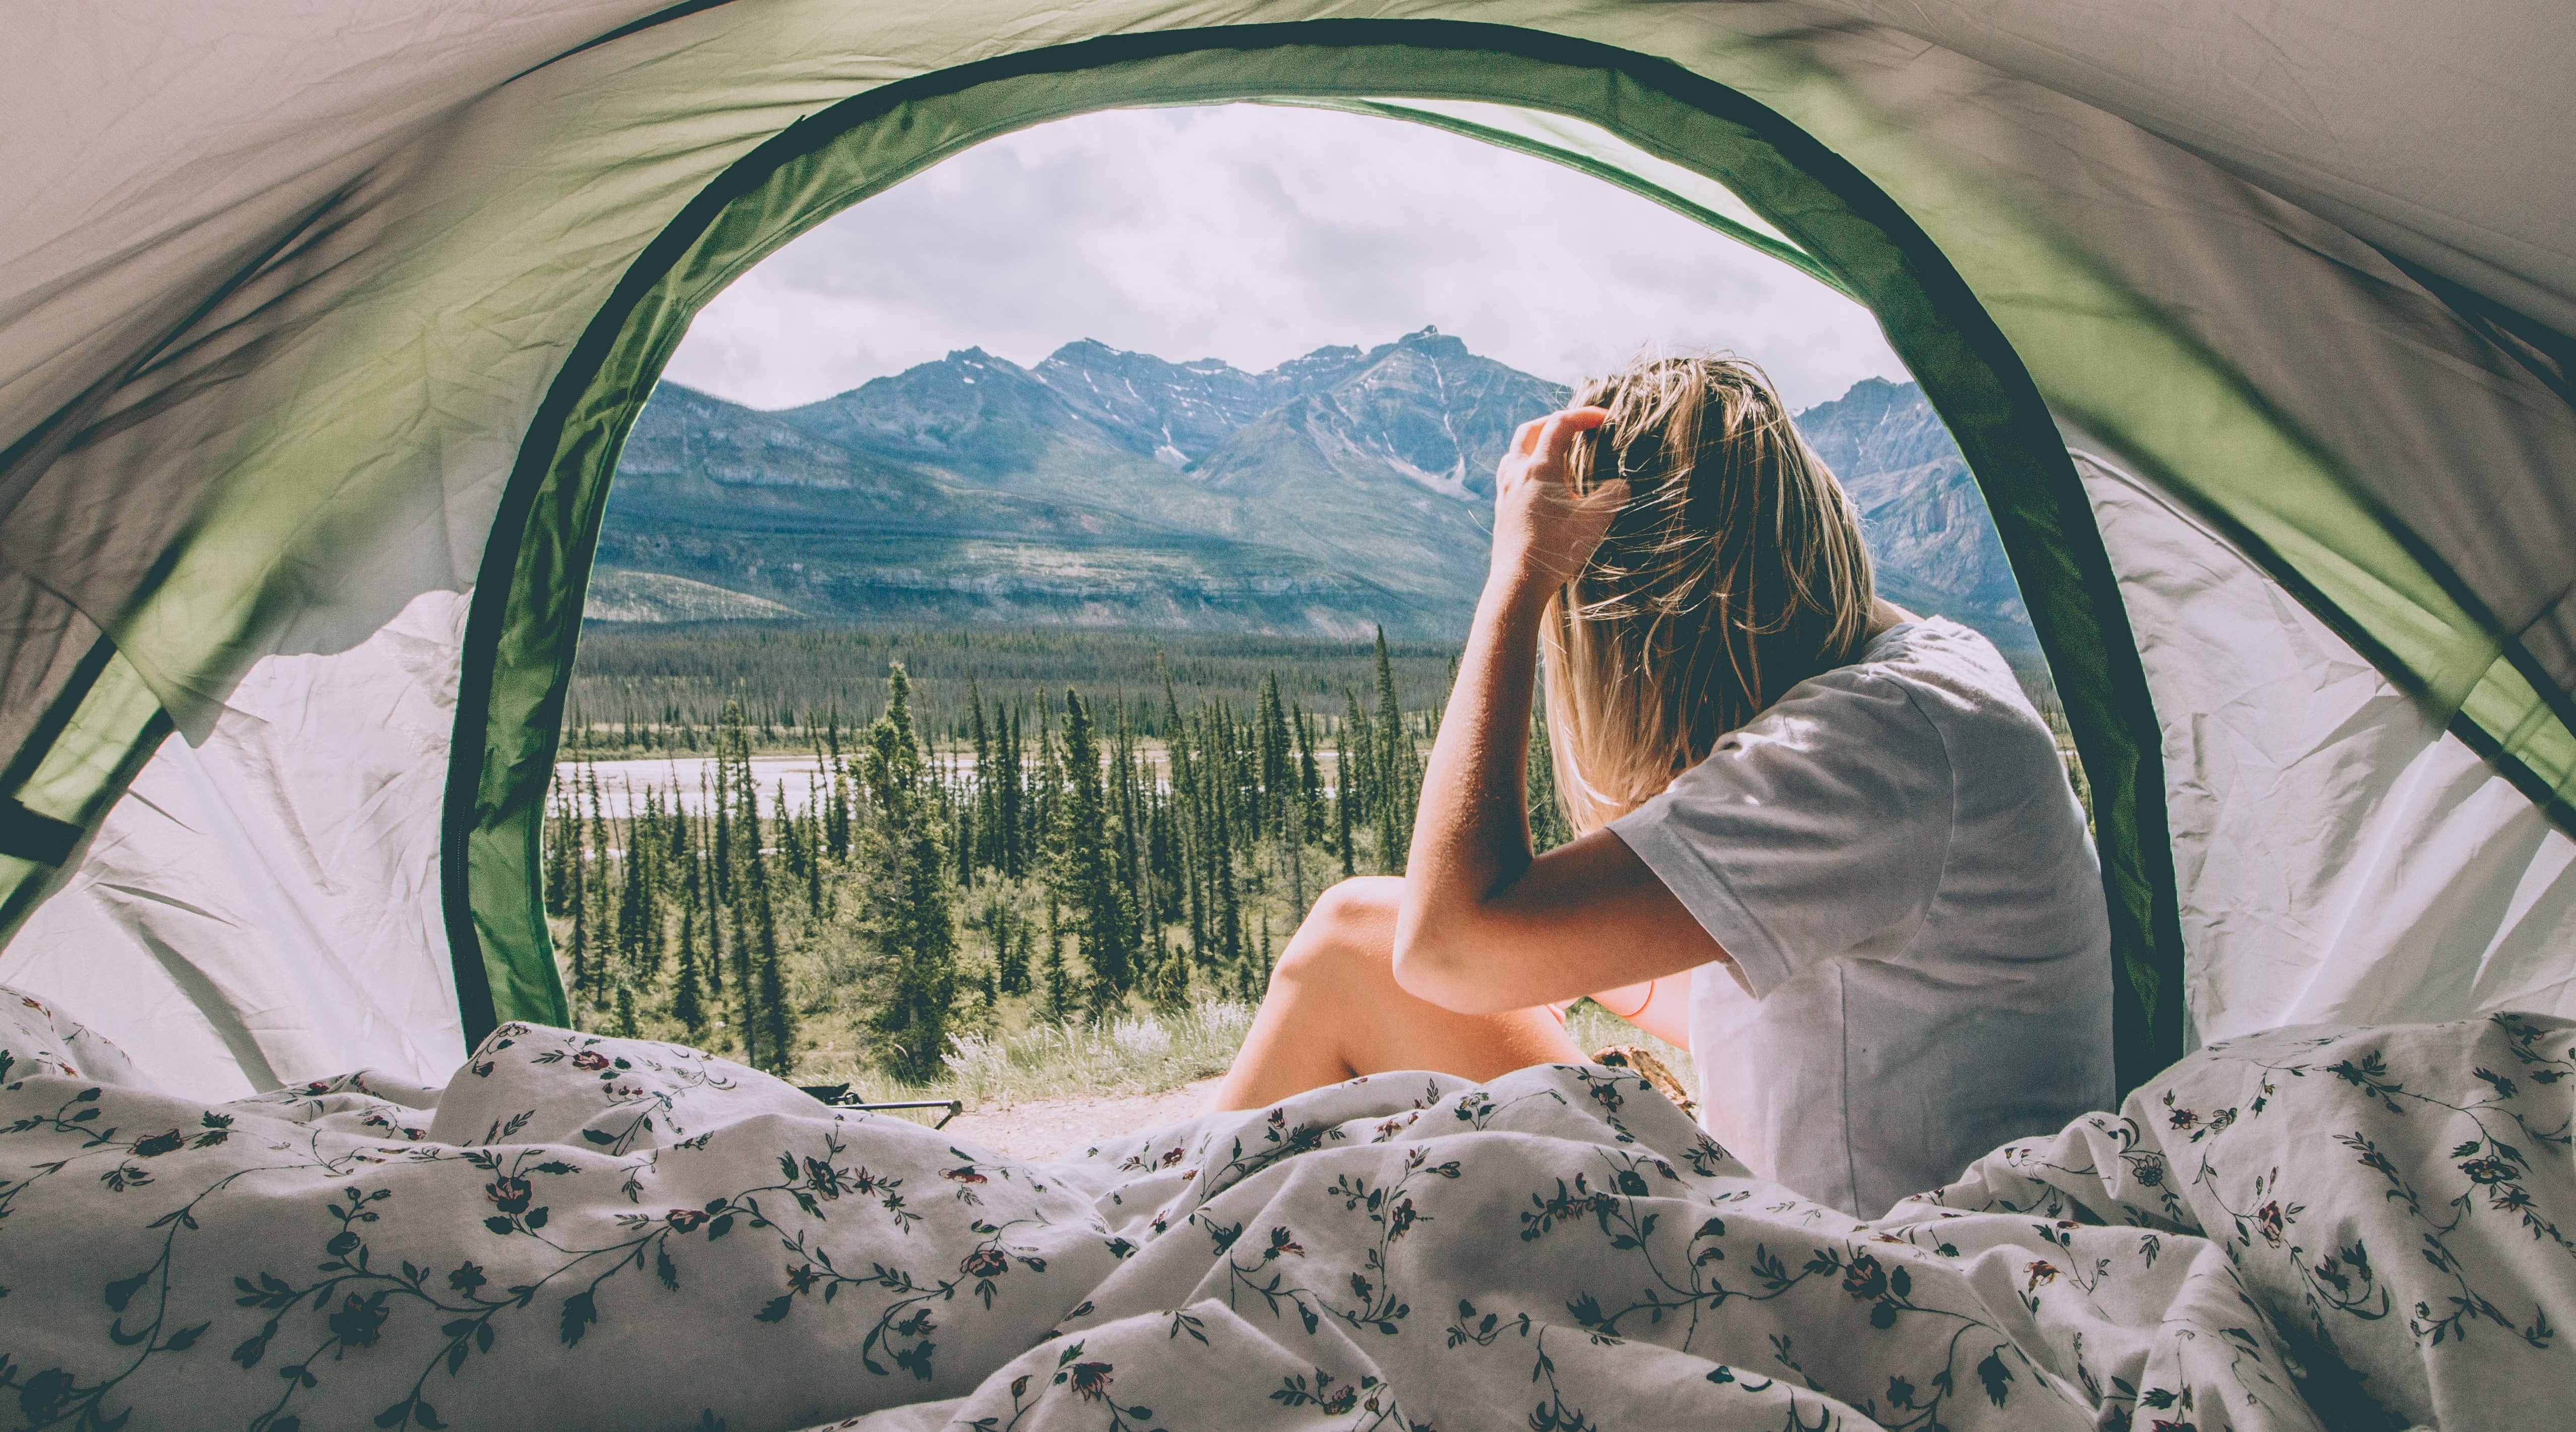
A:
(1545, 530)
(1483, 926)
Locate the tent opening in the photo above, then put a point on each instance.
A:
(901, 438)
(1695, 147)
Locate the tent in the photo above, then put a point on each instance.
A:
(321, 326)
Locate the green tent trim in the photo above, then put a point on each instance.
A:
(524, 624)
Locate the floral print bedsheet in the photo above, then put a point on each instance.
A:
(2308, 1229)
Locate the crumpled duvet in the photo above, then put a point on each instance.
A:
(2303, 1229)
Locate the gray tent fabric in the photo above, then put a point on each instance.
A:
(2433, 133)
(284, 285)
(2416, 883)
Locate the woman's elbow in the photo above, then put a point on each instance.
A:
(1438, 971)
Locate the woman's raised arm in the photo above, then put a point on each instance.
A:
(1484, 927)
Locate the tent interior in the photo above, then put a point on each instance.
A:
(316, 386)
(325, 325)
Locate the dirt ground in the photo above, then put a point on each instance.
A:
(1049, 1128)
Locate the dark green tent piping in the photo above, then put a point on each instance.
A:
(524, 625)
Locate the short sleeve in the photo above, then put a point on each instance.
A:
(1817, 831)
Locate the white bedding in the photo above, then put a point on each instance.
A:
(581, 1232)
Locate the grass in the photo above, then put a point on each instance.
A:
(1135, 1054)
(1593, 1027)
(1142, 1053)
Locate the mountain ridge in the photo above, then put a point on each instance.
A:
(1334, 492)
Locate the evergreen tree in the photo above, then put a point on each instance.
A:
(1226, 899)
(1055, 983)
(621, 973)
(984, 846)
(1342, 807)
(1084, 876)
(1272, 744)
(598, 870)
(725, 861)
(791, 835)
(1398, 784)
(836, 825)
(1164, 879)
(584, 959)
(912, 894)
(1048, 789)
(711, 901)
(1008, 795)
(1010, 946)
(688, 992)
(1310, 782)
(1359, 762)
(1547, 823)
(561, 857)
(769, 1026)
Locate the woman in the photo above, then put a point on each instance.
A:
(1824, 842)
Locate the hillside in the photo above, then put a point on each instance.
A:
(1332, 493)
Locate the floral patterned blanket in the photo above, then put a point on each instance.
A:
(2306, 1229)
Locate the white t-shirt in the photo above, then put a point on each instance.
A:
(1921, 959)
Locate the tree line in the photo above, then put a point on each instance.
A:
(1059, 856)
(645, 689)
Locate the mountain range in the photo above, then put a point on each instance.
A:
(1336, 492)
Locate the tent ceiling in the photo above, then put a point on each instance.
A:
(2437, 132)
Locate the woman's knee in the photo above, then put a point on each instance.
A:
(1350, 932)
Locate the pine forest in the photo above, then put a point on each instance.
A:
(1058, 859)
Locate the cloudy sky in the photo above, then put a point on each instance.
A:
(1255, 234)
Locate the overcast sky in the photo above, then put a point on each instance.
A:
(1255, 234)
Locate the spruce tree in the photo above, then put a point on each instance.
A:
(564, 839)
(1010, 946)
(688, 992)
(1359, 762)
(911, 926)
(1272, 744)
(583, 958)
(1342, 809)
(980, 843)
(768, 1025)
(723, 869)
(1048, 790)
(599, 876)
(1547, 824)
(816, 834)
(710, 901)
(1084, 876)
(1007, 797)
(1310, 782)
(791, 835)
(1226, 901)
(1055, 983)
(1398, 784)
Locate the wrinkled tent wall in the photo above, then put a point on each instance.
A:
(272, 348)
(2412, 882)
(262, 906)
(267, 367)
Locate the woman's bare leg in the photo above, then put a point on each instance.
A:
(1334, 1010)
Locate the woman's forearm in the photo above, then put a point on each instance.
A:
(1471, 833)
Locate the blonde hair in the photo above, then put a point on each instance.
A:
(1734, 571)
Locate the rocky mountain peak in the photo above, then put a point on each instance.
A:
(1431, 342)
(1337, 490)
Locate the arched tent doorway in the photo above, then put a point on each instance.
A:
(323, 400)
(520, 640)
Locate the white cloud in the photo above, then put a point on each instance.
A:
(1255, 234)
